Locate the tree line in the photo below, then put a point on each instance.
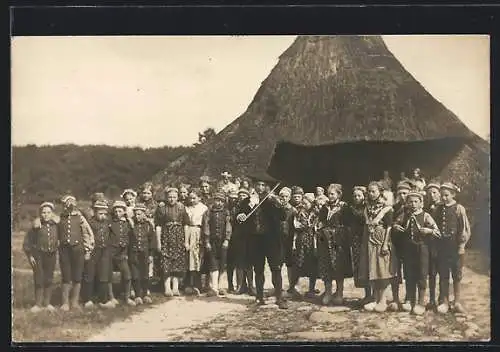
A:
(45, 172)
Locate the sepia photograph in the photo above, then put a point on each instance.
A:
(277, 188)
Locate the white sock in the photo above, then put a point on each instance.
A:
(214, 280)
(221, 276)
(175, 284)
(167, 284)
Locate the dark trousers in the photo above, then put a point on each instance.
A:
(43, 272)
(416, 268)
(139, 269)
(449, 261)
(216, 258)
(433, 258)
(262, 247)
(398, 242)
(97, 268)
(71, 261)
(119, 261)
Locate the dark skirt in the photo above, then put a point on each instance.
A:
(304, 257)
(173, 253)
(334, 253)
(357, 237)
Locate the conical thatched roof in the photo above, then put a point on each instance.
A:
(325, 90)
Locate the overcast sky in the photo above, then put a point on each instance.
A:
(155, 91)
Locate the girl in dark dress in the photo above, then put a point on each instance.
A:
(170, 225)
(357, 227)
(333, 244)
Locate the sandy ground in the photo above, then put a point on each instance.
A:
(233, 318)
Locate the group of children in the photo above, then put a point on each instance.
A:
(187, 233)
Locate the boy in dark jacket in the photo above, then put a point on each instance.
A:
(119, 239)
(141, 247)
(40, 246)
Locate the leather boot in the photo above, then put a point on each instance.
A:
(75, 296)
(65, 296)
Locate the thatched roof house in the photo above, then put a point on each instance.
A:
(326, 95)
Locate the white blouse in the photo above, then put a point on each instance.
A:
(195, 213)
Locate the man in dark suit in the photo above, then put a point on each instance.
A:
(265, 240)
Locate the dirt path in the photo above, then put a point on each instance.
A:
(233, 318)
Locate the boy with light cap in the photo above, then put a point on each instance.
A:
(40, 246)
(455, 233)
(76, 240)
(417, 227)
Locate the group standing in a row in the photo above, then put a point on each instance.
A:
(186, 233)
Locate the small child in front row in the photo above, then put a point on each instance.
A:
(217, 232)
(455, 233)
(119, 239)
(142, 245)
(417, 227)
(40, 246)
